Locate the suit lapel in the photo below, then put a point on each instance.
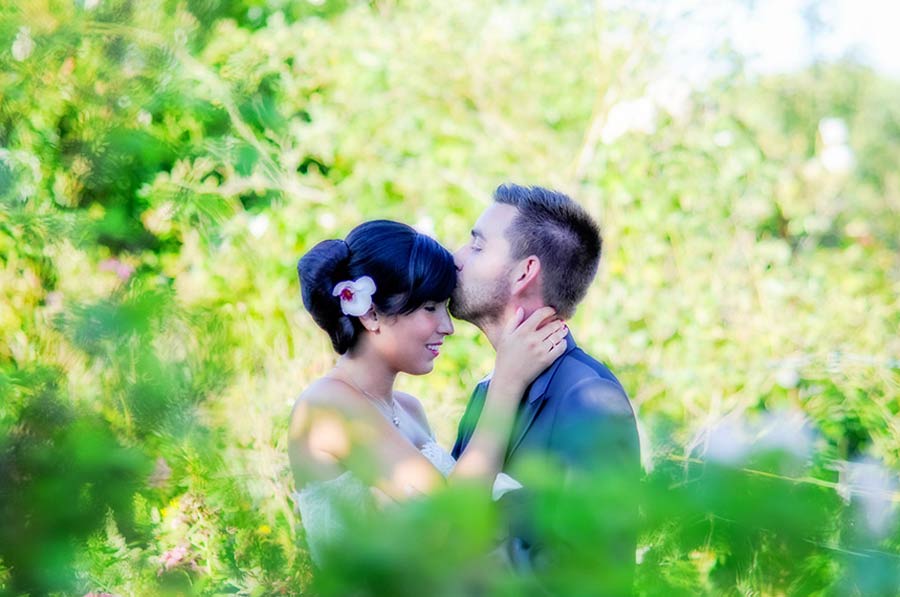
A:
(523, 423)
(470, 419)
(535, 400)
(536, 397)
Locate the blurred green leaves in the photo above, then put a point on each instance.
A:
(164, 164)
(61, 472)
(704, 529)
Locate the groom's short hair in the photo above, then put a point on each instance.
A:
(552, 226)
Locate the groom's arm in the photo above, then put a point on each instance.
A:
(595, 433)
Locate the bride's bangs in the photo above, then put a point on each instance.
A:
(432, 273)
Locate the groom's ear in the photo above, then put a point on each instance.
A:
(526, 275)
(370, 320)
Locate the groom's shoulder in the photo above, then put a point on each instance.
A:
(578, 364)
(582, 378)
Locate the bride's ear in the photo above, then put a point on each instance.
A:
(369, 320)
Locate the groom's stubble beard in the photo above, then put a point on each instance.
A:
(483, 304)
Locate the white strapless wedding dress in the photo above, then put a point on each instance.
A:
(322, 503)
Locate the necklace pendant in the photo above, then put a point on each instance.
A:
(396, 421)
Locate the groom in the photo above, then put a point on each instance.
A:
(533, 247)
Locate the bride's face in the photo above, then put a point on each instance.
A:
(410, 343)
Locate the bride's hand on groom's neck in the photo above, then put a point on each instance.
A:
(527, 346)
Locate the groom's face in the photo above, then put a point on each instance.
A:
(484, 267)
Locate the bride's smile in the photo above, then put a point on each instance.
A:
(410, 343)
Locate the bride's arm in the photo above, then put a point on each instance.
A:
(333, 429)
(522, 354)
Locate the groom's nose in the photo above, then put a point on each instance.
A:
(458, 259)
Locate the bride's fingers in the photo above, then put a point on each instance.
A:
(552, 328)
(515, 320)
(556, 351)
(558, 335)
(536, 319)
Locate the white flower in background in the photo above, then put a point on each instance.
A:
(158, 220)
(787, 430)
(723, 138)
(787, 377)
(729, 442)
(144, 118)
(356, 295)
(91, 4)
(627, 116)
(872, 486)
(326, 220)
(672, 95)
(258, 225)
(833, 131)
(23, 45)
(836, 155)
(733, 440)
(425, 225)
(838, 159)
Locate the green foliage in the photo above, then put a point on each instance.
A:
(163, 164)
(61, 472)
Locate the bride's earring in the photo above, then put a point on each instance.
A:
(369, 320)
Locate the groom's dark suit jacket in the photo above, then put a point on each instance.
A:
(577, 415)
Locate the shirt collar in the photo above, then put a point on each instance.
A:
(539, 386)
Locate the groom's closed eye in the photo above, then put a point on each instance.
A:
(477, 240)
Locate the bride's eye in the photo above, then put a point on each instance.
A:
(430, 307)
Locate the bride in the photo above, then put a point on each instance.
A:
(381, 296)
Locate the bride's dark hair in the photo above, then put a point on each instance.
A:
(409, 269)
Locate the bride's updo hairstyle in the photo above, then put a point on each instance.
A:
(409, 269)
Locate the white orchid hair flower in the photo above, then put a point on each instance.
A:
(356, 295)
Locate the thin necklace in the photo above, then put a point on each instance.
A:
(393, 403)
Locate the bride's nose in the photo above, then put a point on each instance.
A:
(446, 324)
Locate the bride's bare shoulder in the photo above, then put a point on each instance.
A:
(325, 393)
(329, 394)
(325, 390)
